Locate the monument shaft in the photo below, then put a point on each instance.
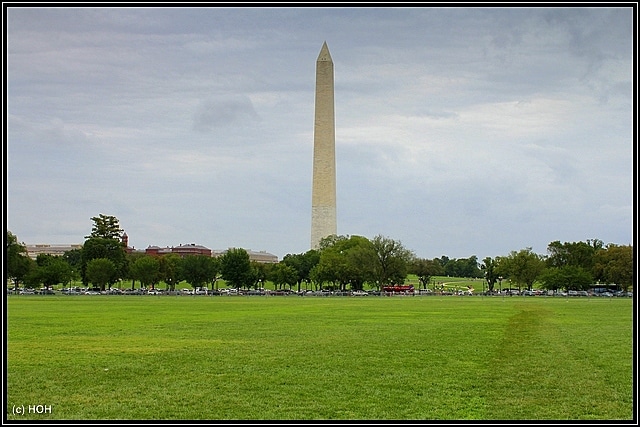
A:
(323, 198)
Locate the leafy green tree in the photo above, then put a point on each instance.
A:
(472, 268)
(262, 272)
(105, 227)
(463, 267)
(147, 270)
(43, 259)
(215, 266)
(320, 274)
(52, 270)
(309, 260)
(361, 261)
(568, 277)
(615, 265)
(73, 257)
(444, 260)
(391, 260)
(491, 272)
(100, 272)
(579, 254)
(522, 267)
(425, 269)
(283, 274)
(334, 267)
(302, 264)
(128, 273)
(33, 278)
(111, 249)
(18, 263)
(330, 241)
(235, 266)
(354, 260)
(552, 278)
(198, 270)
(170, 270)
(344, 261)
(452, 268)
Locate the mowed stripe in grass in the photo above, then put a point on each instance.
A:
(552, 361)
(261, 358)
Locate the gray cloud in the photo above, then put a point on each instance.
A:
(459, 131)
(224, 111)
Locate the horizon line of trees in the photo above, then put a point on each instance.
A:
(342, 262)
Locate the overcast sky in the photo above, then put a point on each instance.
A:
(459, 131)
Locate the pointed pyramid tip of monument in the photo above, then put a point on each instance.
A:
(324, 53)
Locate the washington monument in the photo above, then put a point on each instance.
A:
(323, 195)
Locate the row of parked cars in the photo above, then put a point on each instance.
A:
(186, 291)
(560, 293)
(29, 291)
(284, 292)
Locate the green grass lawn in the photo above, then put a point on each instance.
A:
(314, 358)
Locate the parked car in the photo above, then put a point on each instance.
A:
(318, 293)
(360, 293)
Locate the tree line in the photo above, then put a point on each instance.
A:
(341, 263)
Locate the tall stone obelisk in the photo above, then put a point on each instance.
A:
(323, 197)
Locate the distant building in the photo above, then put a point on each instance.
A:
(125, 242)
(192, 249)
(260, 256)
(156, 250)
(182, 250)
(56, 250)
